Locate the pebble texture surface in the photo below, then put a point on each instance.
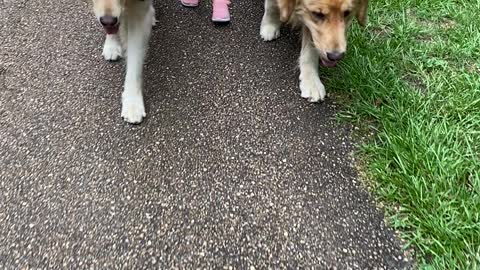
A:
(230, 169)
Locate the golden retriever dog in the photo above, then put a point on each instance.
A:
(324, 24)
(127, 24)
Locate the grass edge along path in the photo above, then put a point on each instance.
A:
(413, 77)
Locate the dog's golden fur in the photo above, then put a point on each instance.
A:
(324, 24)
(128, 25)
(328, 33)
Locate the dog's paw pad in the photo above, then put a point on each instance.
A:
(133, 109)
(269, 31)
(112, 50)
(312, 89)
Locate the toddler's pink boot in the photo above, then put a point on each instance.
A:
(220, 12)
(189, 3)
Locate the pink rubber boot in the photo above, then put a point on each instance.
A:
(189, 3)
(220, 11)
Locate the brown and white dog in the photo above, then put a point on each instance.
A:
(324, 24)
(127, 24)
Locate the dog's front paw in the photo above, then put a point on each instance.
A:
(312, 88)
(112, 49)
(133, 109)
(269, 31)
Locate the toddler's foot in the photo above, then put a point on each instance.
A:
(220, 11)
(189, 3)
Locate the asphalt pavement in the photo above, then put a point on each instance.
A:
(230, 169)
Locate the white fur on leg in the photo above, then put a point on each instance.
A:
(312, 88)
(133, 108)
(270, 26)
(139, 28)
(310, 85)
(269, 31)
(112, 49)
(152, 10)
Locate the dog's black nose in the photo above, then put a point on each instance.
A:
(335, 56)
(108, 21)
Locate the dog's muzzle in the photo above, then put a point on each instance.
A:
(110, 24)
(328, 63)
(333, 59)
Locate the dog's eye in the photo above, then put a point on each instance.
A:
(319, 15)
(346, 13)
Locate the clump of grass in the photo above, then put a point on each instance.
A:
(415, 72)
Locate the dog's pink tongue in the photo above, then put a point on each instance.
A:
(111, 30)
(326, 63)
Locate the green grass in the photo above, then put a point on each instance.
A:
(413, 78)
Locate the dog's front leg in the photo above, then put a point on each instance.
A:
(310, 84)
(138, 33)
(270, 26)
(112, 48)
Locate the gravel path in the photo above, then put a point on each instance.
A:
(230, 168)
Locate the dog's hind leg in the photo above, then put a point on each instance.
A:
(270, 26)
(139, 26)
(310, 85)
(112, 48)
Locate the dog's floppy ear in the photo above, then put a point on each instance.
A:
(286, 8)
(362, 16)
